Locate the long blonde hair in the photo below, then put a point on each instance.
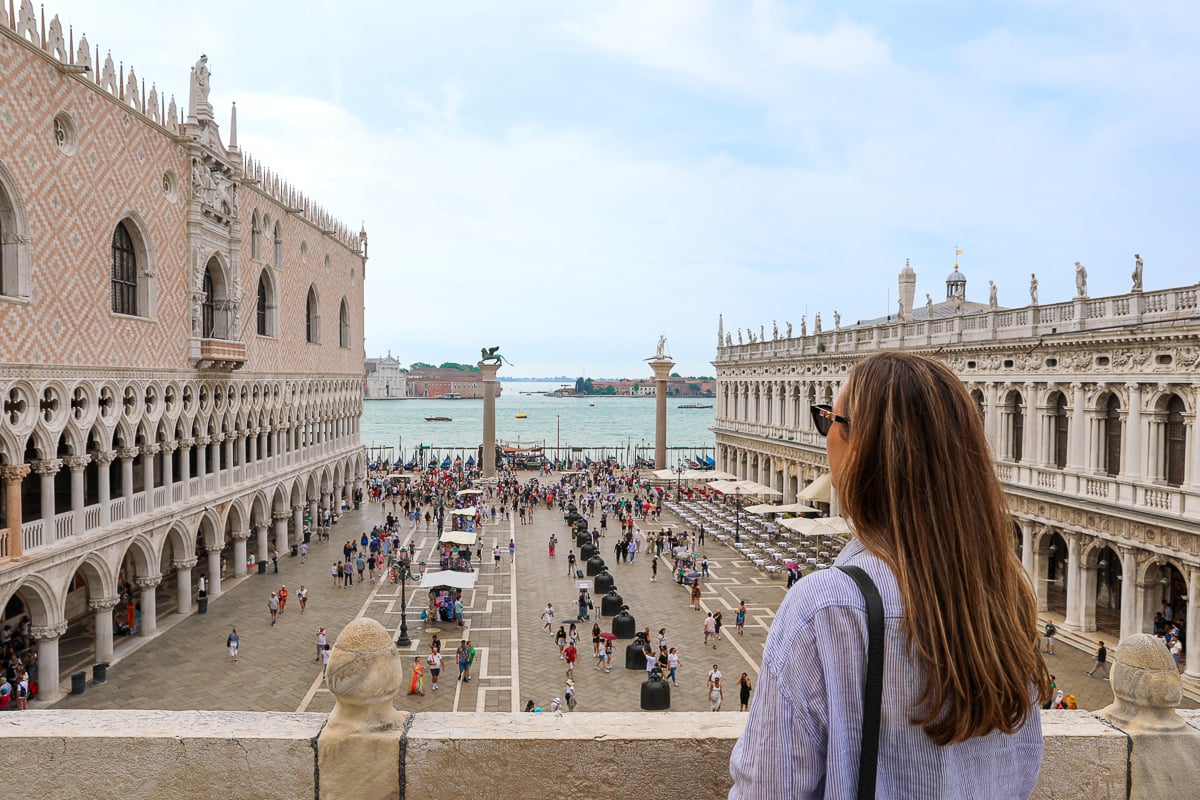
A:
(919, 484)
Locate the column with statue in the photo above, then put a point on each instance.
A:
(489, 363)
(661, 363)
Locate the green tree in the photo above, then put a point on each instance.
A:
(421, 365)
(676, 375)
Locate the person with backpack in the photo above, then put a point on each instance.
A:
(1051, 632)
(1101, 661)
(23, 692)
(232, 644)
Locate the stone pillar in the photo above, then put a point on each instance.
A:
(201, 458)
(150, 603)
(1193, 623)
(168, 469)
(489, 418)
(12, 500)
(1041, 584)
(252, 457)
(281, 530)
(662, 371)
(102, 622)
(297, 525)
(239, 553)
(46, 469)
(47, 650)
(1078, 431)
(148, 454)
(77, 464)
(314, 513)
(185, 465)
(1129, 621)
(104, 459)
(127, 454)
(214, 569)
(183, 587)
(215, 446)
(228, 459)
(1027, 551)
(1133, 434)
(1087, 597)
(1074, 574)
(261, 550)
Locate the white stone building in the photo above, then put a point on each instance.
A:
(1090, 406)
(384, 379)
(181, 372)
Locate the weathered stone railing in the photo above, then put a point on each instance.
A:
(1140, 747)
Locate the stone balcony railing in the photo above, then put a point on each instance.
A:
(218, 354)
(1139, 747)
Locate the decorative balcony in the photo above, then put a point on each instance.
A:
(217, 354)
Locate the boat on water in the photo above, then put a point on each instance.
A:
(694, 405)
(592, 403)
(438, 419)
(452, 396)
(522, 415)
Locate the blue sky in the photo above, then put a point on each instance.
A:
(571, 180)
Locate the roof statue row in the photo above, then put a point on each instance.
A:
(956, 298)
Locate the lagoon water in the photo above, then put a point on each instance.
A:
(621, 423)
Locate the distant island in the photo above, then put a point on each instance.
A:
(677, 386)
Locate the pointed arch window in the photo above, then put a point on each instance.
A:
(312, 317)
(124, 272)
(14, 242)
(344, 324)
(277, 253)
(208, 307)
(255, 237)
(1016, 443)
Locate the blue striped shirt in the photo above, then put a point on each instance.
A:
(804, 729)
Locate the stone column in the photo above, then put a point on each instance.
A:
(1078, 430)
(46, 469)
(77, 464)
(1027, 551)
(261, 551)
(148, 454)
(314, 513)
(1129, 621)
(1074, 574)
(662, 371)
(185, 465)
(1041, 584)
(252, 458)
(201, 458)
(104, 459)
(168, 469)
(239, 553)
(1087, 597)
(297, 524)
(281, 530)
(102, 622)
(183, 587)
(150, 603)
(127, 454)
(489, 418)
(214, 569)
(1133, 434)
(1193, 623)
(215, 446)
(47, 650)
(12, 501)
(228, 458)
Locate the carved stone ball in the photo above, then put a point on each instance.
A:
(1146, 686)
(365, 668)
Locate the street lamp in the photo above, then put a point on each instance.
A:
(404, 573)
(737, 517)
(679, 481)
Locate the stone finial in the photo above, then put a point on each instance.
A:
(365, 675)
(1146, 686)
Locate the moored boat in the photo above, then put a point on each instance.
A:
(438, 419)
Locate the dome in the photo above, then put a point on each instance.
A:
(956, 277)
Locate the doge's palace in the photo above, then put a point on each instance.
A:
(1090, 406)
(182, 347)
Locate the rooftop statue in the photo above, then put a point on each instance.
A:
(491, 355)
(1137, 272)
(1080, 279)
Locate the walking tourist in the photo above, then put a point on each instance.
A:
(1051, 632)
(548, 618)
(283, 596)
(903, 429)
(744, 692)
(435, 665)
(232, 644)
(672, 666)
(739, 619)
(418, 673)
(321, 642)
(710, 629)
(570, 563)
(273, 606)
(275, 560)
(325, 661)
(302, 596)
(1101, 661)
(715, 695)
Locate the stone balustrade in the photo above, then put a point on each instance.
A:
(1140, 747)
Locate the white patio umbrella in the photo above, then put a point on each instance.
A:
(788, 508)
(828, 526)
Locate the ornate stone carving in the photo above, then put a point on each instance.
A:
(148, 582)
(1146, 686)
(103, 603)
(43, 633)
(77, 463)
(15, 473)
(184, 563)
(241, 535)
(128, 453)
(365, 674)
(48, 466)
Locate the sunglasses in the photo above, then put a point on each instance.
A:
(823, 418)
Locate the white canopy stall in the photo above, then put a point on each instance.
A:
(448, 577)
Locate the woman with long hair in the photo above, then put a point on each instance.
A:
(962, 678)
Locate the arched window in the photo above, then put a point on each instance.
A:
(977, 397)
(1175, 454)
(344, 324)
(207, 314)
(1112, 436)
(312, 317)
(215, 314)
(262, 306)
(14, 242)
(277, 256)
(255, 237)
(1060, 431)
(1016, 442)
(124, 272)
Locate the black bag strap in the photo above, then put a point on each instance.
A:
(868, 762)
